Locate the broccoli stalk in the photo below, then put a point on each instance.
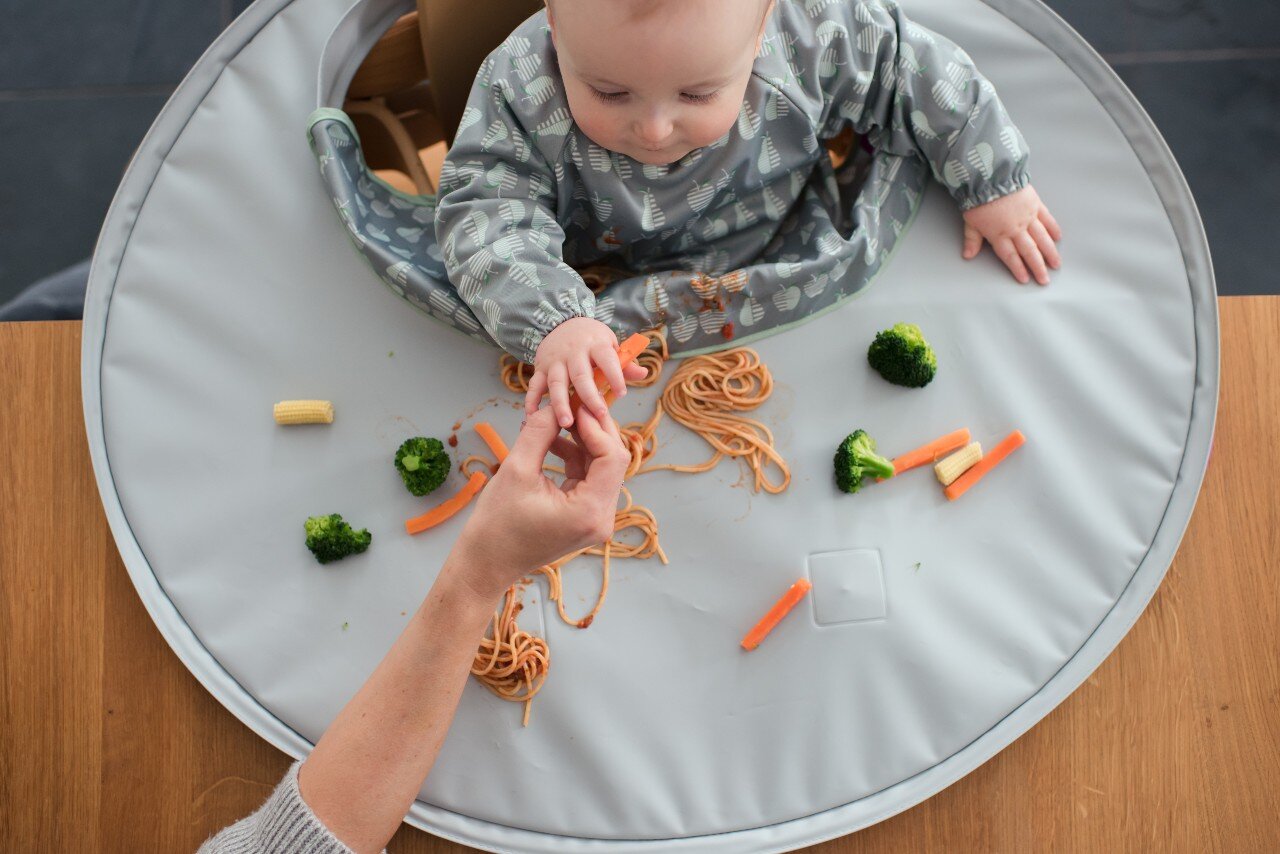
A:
(423, 464)
(856, 459)
(903, 357)
(330, 538)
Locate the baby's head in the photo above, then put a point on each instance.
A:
(655, 79)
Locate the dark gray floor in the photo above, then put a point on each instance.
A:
(80, 83)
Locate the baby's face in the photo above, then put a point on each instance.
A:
(655, 79)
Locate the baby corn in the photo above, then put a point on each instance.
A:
(303, 412)
(958, 463)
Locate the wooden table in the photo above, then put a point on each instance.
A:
(108, 743)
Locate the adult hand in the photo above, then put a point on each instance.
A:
(364, 773)
(524, 520)
(1021, 231)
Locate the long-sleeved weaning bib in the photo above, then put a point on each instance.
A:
(755, 232)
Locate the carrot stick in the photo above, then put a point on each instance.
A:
(446, 508)
(788, 601)
(1007, 446)
(627, 353)
(928, 454)
(491, 438)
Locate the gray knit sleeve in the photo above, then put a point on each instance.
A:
(283, 825)
(496, 216)
(912, 91)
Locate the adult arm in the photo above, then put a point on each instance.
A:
(366, 770)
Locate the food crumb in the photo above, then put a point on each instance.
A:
(917, 566)
(390, 353)
(344, 626)
(453, 440)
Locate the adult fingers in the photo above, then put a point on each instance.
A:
(1047, 247)
(584, 383)
(565, 448)
(572, 455)
(1050, 224)
(606, 359)
(532, 444)
(537, 388)
(972, 242)
(608, 459)
(1031, 255)
(558, 385)
(1008, 253)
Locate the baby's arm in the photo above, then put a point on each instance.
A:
(501, 243)
(912, 91)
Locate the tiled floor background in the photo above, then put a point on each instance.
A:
(80, 83)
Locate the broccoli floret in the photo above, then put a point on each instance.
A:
(856, 458)
(330, 538)
(902, 356)
(423, 464)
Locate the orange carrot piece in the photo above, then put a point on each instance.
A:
(1007, 446)
(448, 507)
(928, 454)
(780, 609)
(627, 353)
(491, 438)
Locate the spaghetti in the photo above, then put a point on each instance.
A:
(468, 465)
(511, 662)
(515, 374)
(706, 394)
(630, 516)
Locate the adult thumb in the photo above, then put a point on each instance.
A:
(534, 442)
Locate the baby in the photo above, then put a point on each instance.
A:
(644, 132)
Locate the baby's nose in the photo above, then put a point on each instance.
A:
(653, 129)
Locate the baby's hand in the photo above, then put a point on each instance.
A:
(568, 355)
(1021, 231)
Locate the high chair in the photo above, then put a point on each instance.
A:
(407, 97)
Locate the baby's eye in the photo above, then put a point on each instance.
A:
(608, 97)
(699, 99)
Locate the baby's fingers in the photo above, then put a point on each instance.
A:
(584, 383)
(533, 397)
(558, 385)
(1008, 253)
(1031, 255)
(1047, 247)
(606, 359)
(1050, 224)
(972, 242)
